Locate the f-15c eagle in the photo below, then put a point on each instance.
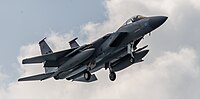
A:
(114, 51)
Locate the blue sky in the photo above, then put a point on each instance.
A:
(28, 21)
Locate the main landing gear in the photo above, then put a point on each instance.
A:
(87, 75)
(112, 75)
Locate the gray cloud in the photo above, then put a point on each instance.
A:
(170, 70)
(169, 76)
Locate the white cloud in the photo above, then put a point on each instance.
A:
(59, 41)
(182, 22)
(2, 77)
(173, 71)
(56, 42)
(171, 75)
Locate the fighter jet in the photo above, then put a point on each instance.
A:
(114, 52)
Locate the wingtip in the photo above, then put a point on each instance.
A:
(19, 80)
(23, 62)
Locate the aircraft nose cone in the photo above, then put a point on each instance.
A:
(156, 21)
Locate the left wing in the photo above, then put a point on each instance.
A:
(46, 57)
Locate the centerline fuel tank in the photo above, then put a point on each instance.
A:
(124, 62)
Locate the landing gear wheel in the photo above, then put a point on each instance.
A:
(87, 75)
(56, 77)
(112, 76)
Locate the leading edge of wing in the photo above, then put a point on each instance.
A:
(48, 57)
(37, 77)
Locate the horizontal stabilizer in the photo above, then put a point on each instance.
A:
(82, 79)
(37, 77)
(47, 57)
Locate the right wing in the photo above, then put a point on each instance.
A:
(37, 77)
(47, 57)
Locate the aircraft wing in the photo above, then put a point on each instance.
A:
(47, 57)
(37, 77)
(82, 79)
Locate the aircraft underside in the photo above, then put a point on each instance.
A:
(114, 52)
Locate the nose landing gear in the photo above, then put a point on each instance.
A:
(131, 50)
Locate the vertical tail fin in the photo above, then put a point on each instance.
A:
(73, 43)
(45, 49)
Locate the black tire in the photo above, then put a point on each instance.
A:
(87, 75)
(112, 76)
(56, 77)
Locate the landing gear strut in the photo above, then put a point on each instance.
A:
(131, 51)
(112, 74)
(132, 60)
(87, 75)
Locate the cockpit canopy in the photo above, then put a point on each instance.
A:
(134, 19)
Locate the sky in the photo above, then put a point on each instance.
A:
(170, 70)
